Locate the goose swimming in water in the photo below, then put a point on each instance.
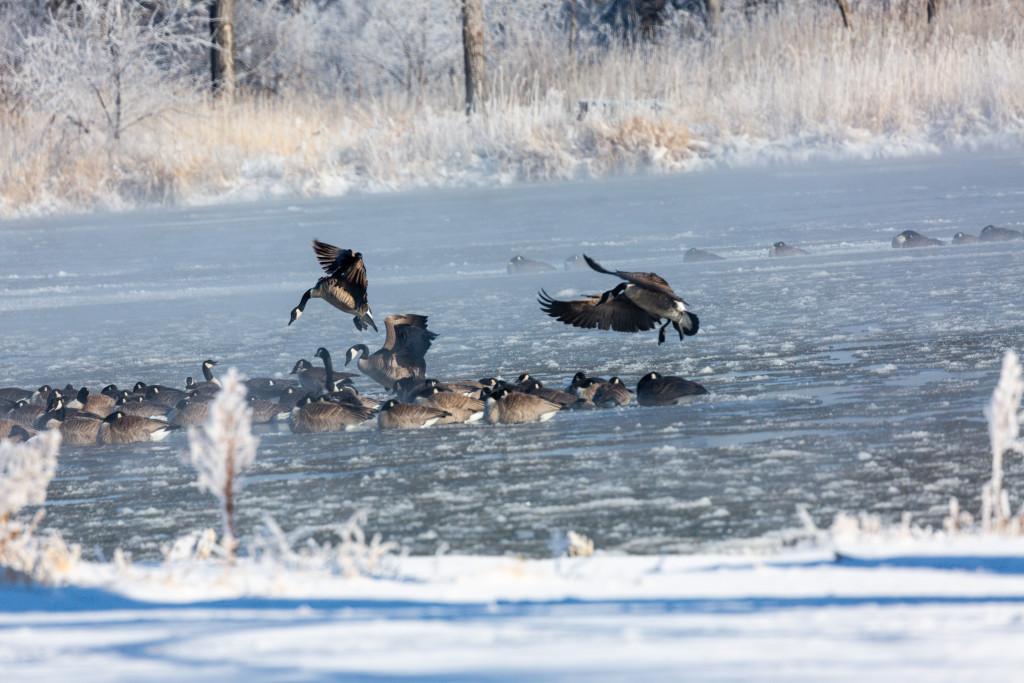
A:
(344, 286)
(639, 303)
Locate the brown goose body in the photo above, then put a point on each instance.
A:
(395, 415)
(513, 407)
(638, 304)
(189, 413)
(120, 428)
(344, 286)
(991, 233)
(611, 394)
(912, 238)
(100, 405)
(264, 411)
(25, 413)
(460, 408)
(140, 407)
(311, 417)
(80, 430)
(695, 254)
(15, 431)
(583, 386)
(653, 389)
(402, 355)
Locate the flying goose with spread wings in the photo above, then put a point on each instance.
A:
(344, 286)
(638, 304)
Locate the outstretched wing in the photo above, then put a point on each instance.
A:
(651, 281)
(617, 313)
(346, 267)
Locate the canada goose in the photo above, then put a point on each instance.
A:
(140, 407)
(561, 398)
(348, 395)
(911, 238)
(42, 395)
(576, 262)
(264, 411)
(189, 413)
(290, 396)
(460, 408)
(964, 238)
(165, 396)
(780, 249)
(395, 415)
(15, 431)
(56, 412)
(611, 394)
(333, 381)
(518, 265)
(655, 390)
(80, 430)
(637, 304)
(466, 387)
(312, 378)
(312, 416)
(25, 413)
(583, 386)
(210, 385)
(402, 355)
(991, 233)
(113, 391)
(512, 407)
(15, 394)
(267, 387)
(695, 254)
(99, 405)
(344, 286)
(408, 388)
(120, 428)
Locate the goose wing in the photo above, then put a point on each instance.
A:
(346, 268)
(407, 335)
(650, 281)
(617, 313)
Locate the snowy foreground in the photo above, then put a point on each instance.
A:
(900, 610)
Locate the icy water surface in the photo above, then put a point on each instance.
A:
(850, 379)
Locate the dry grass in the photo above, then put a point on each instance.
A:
(791, 75)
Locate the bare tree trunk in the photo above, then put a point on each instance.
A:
(712, 13)
(222, 54)
(844, 9)
(932, 9)
(473, 51)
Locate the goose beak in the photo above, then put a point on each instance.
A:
(295, 315)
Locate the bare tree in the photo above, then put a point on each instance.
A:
(222, 52)
(473, 51)
(108, 66)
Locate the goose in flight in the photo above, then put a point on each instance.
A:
(638, 304)
(344, 286)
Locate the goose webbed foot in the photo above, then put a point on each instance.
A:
(661, 333)
(679, 329)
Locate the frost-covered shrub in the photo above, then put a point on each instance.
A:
(1004, 418)
(222, 449)
(105, 67)
(25, 471)
(351, 555)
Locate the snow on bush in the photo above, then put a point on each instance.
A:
(1004, 421)
(222, 449)
(25, 471)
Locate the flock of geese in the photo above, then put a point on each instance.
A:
(319, 399)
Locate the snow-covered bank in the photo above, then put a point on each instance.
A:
(347, 114)
(940, 611)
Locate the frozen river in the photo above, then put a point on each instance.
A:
(851, 379)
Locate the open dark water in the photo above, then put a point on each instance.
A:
(851, 379)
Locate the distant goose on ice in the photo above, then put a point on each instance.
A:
(991, 233)
(311, 416)
(402, 355)
(459, 407)
(964, 238)
(695, 254)
(653, 389)
(518, 264)
(911, 238)
(639, 303)
(344, 286)
(780, 249)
